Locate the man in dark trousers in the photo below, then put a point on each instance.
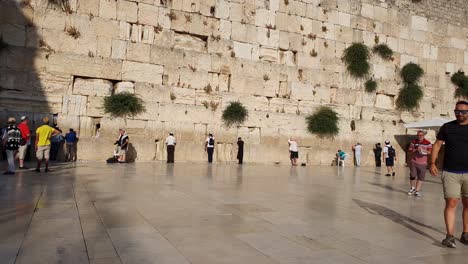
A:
(240, 150)
(170, 143)
(209, 147)
(378, 155)
(455, 170)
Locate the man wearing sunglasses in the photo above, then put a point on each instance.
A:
(455, 170)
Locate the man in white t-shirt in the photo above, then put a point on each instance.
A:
(209, 147)
(389, 157)
(293, 152)
(170, 143)
(357, 153)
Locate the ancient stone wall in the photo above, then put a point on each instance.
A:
(188, 58)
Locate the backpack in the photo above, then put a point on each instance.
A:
(211, 141)
(13, 135)
(391, 152)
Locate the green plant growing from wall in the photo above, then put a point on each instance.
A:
(123, 105)
(460, 80)
(409, 97)
(235, 113)
(411, 94)
(384, 51)
(356, 58)
(411, 73)
(323, 122)
(370, 86)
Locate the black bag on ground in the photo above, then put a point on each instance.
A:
(111, 160)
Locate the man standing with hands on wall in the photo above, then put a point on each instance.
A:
(455, 170)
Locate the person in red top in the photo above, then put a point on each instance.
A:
(26, 135)
(419, 149)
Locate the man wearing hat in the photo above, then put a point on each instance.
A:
(26, 136)
(389, 155)
(170, 145)
(209, 147)
(11, 140)
(43, 135)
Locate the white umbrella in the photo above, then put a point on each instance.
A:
(435, 123)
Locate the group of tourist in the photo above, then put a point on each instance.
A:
(454, 135)
(16, 139)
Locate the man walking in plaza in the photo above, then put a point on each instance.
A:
(26, 136)
(209, 147)
(419, 149)
(455, 170)
(389, 155)
(11, 141)
(357, 153)
(71, 139)
(170, 146)
(293, 151)
(43, 135)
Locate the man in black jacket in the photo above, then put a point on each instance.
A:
(240, 150)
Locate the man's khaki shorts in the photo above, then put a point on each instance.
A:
(455, 184)
(22, 151)
(43, 152)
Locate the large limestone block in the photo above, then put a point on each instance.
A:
(142, 72)
(51, 19)
(92, 87)
(148, 14)
(136, 33)
(104, 47)
(193, 79)
(74, 104)
(419, 23)
(119, 49)
(85, 66)
(244, 33)
(222, 9)
(125, 30)
(242, 50)
(302, 91)
(127, 11)
(108, 9)
(89, 7)
(138, 52)
(268, 37)
(385, 101)
(189, 42)
(95, 106)
(127, 87)
(164, 38)
(264, 17)
(270, 55)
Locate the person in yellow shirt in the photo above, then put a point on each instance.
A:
(43, 135)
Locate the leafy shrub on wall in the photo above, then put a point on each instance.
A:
(123, 104)
(411, 94)
(370, 86)
(323, 122)
(384, 51)
(235, 113)
(356, 58)
(460, 80)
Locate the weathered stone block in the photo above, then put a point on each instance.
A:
(138, 52)
(127, 11)
(242, 50)
(148, 14)
(419, 23)
(119, 49)
(92, 87)
(142, 72)
(189, 42)
(108, 9)
(127, 87)
(74, 104)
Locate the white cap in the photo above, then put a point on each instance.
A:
(24, 118)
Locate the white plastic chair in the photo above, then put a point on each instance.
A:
(342, 161)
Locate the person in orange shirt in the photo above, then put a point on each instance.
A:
(43, 135)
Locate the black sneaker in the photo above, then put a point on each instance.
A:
(23, 168)
(388, 174)
(393, 173)
(464, 238)
(47, 170)
(38, 170)
(449, 241)
(8, 173)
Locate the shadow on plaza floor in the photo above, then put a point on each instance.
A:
(399, 219)
(387, 187)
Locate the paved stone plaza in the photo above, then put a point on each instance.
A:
(197, 213)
